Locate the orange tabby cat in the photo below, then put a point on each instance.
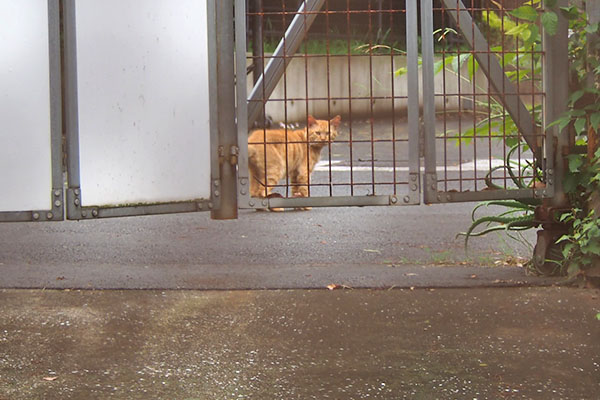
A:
(301, 158)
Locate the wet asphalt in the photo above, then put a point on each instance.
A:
(357, 247)
(243, 310)
(510, 343)
(185, 307)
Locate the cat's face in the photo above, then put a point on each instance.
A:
(322, 131)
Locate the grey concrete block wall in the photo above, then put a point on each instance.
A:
(341, 77)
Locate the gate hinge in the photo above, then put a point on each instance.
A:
(233, 155)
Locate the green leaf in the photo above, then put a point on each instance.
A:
(401, 71)
(575, 162)
(592, 28)
(517, 30)
(473, 67)
(527, 13)
(533, 36)
(570, 183)
(598, 316)
(571, 12)
(550, 22)
(576, 96)
(580, 126)
(595, 121)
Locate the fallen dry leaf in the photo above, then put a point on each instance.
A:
(50, 378)
(372, 251)
(473, 276)
(333, 286)
(411, 274)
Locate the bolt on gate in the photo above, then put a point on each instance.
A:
(443, 100)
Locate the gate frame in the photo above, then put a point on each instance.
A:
(73, 191)
(247, 112)
(56, 213)
(491, 69)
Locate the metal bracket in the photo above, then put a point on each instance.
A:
(234, 153)
(56, 213)
(431, 189)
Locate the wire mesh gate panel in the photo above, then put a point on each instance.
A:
(481, 134)
(483, 113)
(30, 112)
(138, 115)
(322, 67)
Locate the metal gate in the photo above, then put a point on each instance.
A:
(129, 107)
(476, 122)
(131, 90)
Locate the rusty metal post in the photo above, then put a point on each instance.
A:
(225, 188)
(558, 143)
(556, 87)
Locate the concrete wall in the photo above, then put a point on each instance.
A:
(342, 82)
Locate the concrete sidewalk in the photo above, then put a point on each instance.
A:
(494, 343)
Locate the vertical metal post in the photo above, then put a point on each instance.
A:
(56, 110)
(226, 187)
(412, 50)
(427, 50)
(556, 87)
(71, 108)
(242, 103)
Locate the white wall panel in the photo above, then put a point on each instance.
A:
(25, 145)
(143, 101)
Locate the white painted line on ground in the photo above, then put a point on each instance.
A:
(480, 165)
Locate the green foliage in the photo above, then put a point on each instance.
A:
(518, 215)
(582, 243)
(519, 54)
(584, 102)
(520, 58)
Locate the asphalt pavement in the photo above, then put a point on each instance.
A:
(509, 343)
(333, 303)
(356, 247)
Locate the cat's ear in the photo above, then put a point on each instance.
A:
(335, 122)
(311, 120)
